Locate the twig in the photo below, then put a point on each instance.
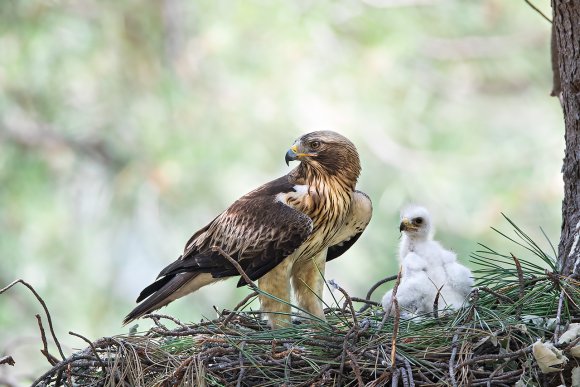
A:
(60, 366)
(372, 290)
(498, 295)
(436, 303)
(522, 286)
(403, 374)
(395, 378)
(343, 353)
(473, 306)
(347, 301)
(365, 301)
(375, 286)
(502, 356)
(51, 359)
(159, 316)
(538, 10)
(241, 362)
(409, 372)
(396, 320)
(90, 343)
(240, 304)
(43, 306)
(558, 316)
(452, 358)
(356, 369)
(237, 266)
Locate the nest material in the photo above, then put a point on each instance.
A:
(479, 345)
(487, 342)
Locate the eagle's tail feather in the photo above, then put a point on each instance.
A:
(165, 290)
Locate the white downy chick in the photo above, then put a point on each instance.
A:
(426, 267)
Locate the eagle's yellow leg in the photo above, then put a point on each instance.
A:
(276, 282)
(308, 284)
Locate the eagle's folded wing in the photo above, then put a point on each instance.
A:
(357, 220)
(257, 230)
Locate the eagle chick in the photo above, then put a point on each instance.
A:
(426, 268)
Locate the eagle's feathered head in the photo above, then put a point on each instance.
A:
(328, 152)
(415, 221)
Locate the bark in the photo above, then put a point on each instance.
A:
(566, 25)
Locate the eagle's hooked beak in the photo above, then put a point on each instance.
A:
(294, 153)
(406, 225)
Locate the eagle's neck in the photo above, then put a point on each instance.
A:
(339, 176)
(327, 197)
(409, 243)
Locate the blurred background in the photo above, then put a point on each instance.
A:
(125, 126)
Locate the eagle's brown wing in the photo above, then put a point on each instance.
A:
(257, 230)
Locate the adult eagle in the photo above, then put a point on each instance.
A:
(281, 234)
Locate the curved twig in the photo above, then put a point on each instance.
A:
(56, 342)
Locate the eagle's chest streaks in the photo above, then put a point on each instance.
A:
(326, 207)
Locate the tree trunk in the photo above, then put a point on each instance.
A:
(566, 61)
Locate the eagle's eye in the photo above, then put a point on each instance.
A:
(419, 221)
(314, 145)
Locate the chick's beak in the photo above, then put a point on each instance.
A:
(405, 225)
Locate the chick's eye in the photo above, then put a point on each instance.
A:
(315, 144)
(419, 220)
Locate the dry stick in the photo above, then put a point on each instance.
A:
(157, 321)
(343, 353)
(498, 295)
(522, 286)
(373, 288)
(397, 319)
(167, 317)
(452, 358)
(409, 372)
(60, 366)
(51, 359)
(242, 368)
(395, 379)
(558, 316)
(393, 300)
(504, 356)
(473, 306)
(43, 306)
(103, 366)
(237, 266)
(356, 369)
(365, 301)
(436, 303)
(240, 304)
(403, 374)
(537, 10)
(348, 300)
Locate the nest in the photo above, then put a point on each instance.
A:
(487, 342)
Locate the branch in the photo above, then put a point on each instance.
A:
(538, 10)
(238, 267)
(43, 306)
(51, 359)
(396, 321)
